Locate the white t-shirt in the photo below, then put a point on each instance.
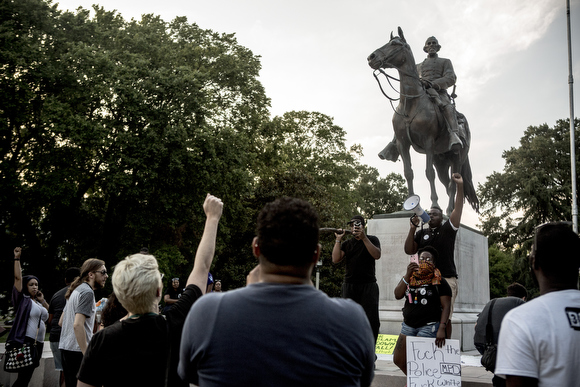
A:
(541, 339)
(81, 300)
(37, 312)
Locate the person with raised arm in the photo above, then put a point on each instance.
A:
(143, 349)
(30, 317)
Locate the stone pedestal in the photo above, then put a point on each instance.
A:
(471, 259)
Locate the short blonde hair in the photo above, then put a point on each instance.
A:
(136, 280)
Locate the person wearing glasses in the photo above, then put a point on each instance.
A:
(78, 317)
(539, 341)
(360, 254)
(427, 303)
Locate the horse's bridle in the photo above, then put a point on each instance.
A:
(383, 64)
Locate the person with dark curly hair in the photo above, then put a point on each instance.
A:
(31, 314)
(427, 303)
(279, 330)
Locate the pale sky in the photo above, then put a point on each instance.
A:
(510, 57)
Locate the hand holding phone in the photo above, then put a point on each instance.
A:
(415, 258)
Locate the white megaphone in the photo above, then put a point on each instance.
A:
(412, 204)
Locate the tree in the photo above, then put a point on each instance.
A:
(112, 132)
(535, 187)
(303, 154)
(500, 272)
(376, 195)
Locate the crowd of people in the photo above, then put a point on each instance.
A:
(279, 329)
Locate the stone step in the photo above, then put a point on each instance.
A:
(386, 372)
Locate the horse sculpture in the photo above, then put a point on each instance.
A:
(418, 122)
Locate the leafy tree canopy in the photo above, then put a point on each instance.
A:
(113, 131)
(535, 187)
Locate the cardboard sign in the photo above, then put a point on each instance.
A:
(428, 365)
(386, 344)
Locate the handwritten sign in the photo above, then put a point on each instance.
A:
(428, 365)
(386, 344)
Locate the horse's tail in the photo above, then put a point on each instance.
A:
(468, 188)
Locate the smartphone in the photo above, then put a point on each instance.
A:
(415, 258)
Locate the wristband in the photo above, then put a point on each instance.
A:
(17, 259)
(403, 278)
(337, 241)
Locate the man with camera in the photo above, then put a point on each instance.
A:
(360, 282)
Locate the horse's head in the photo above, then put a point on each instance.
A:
(393, 54)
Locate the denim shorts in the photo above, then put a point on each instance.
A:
(429, 330)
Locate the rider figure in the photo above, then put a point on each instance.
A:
(436, 75)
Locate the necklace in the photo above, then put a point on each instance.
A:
(136, 316)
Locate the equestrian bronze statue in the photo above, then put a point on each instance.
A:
(426, 119)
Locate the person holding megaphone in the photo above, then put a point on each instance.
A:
(440, 235)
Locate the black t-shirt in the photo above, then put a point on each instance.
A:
(173, 293)
(428, 306)
(500, 309)
(134, 352)
(443, 240)
(360, 265)
(57, 304)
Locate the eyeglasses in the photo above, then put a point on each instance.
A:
(102, 272)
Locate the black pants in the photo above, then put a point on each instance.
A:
(25, 374)
(367, 296)
(71, 364)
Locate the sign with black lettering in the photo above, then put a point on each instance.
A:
(386, 344)
(428, 365)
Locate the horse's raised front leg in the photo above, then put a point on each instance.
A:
(442, 167)
(430, 173)
(452, 188)
(407, 169)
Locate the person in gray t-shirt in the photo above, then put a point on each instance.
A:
(280, 331)
(78, 317)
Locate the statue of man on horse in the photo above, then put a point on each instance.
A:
(425, 118)
(436, 75)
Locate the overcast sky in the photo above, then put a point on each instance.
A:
(510, 57)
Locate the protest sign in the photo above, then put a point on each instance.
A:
(386, 344)
(428, 365)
